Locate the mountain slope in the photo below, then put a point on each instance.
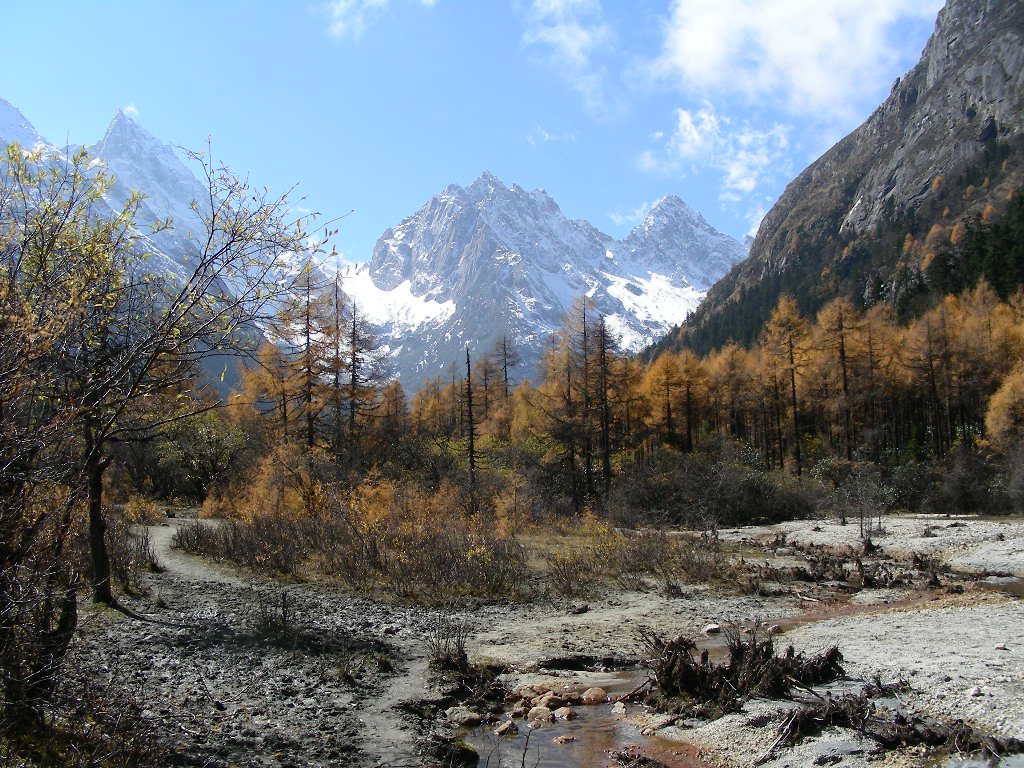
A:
(472, 265)
(487, 260)
(866, 219)
(15, 128)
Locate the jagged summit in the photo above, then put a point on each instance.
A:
(125, 134)
(473, 263)
(15, 128)
(488, 259)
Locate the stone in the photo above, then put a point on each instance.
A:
(529, 692)
(507, 728)
(712, 629)
(975, 691)
(618, 708)
(463, 716)
(540, 714)
(565, 713)
(578, 608)
(565, 739)
(1002, 647)
(594, 695)
(551, 700)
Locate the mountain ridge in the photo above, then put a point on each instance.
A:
(508, 261)
(867, 218)
(472, 264)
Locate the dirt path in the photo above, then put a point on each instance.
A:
(182, 565)
(251, 684)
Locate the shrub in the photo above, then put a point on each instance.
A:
(446, 639)
(411, 558)
(131, 553)
(718, 484)
(573, 573)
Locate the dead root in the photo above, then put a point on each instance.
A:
(688, 681)
(886, 726)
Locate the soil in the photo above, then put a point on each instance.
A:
(224, 692)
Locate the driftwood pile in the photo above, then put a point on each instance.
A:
(688, 682)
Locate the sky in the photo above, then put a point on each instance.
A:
(373, 106)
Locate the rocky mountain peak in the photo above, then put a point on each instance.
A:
(125, 136)
(670, 211)
(15, 128)
(489, 259)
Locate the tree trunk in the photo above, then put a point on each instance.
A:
(796, 428)
(102, 590)
(470, 433)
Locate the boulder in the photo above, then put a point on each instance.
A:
(540, 715)
(594, 695)
(528, 692)
(551, 700)
(507, 728)
(463, 716)
(712, 629)
(565, 713)
(566, 739)
(618, 708)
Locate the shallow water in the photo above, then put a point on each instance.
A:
(596, 731)
(1009, 584)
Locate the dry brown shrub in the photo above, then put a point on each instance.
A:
(141, 511)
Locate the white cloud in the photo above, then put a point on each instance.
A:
(634, 216)
(813, 55)
(539, 134)
(350, 18)
(573, 31)
(131, 110)
(744, 155)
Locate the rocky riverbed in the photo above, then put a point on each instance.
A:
(248, 671)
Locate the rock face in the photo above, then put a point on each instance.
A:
(472, 265)
(15, 128)
(945, 144)
(479, 262)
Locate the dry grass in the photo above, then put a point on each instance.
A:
(413, 562)
(592, 553)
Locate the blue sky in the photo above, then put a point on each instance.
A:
(375, 105)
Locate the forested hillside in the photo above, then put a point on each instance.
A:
(886, 213)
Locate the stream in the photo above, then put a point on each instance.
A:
(587, 740)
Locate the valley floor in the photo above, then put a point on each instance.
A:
(248, 671)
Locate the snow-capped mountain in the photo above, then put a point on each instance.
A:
(139, 161)
(478, 262)
(15, 128)
(473, 264)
